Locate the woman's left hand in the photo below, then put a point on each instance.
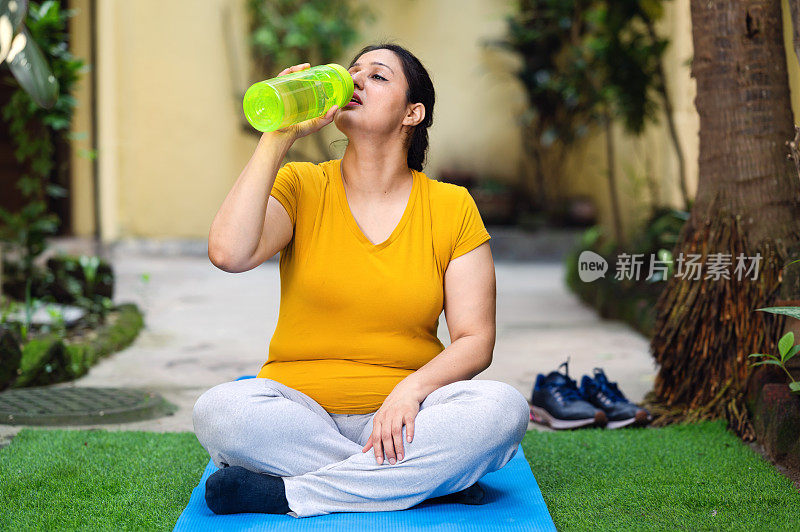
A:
(400, 407)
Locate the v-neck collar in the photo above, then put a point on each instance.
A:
(351, 221)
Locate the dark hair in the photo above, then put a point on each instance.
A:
(420, 90)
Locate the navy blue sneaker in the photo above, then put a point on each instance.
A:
(557, 402)
(607, 396)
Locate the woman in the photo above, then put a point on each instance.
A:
(372, 251)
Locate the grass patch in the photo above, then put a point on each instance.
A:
(695, 477)
(682, 477)
(97, 480)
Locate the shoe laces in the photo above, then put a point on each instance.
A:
(610, 389)
(566, 390)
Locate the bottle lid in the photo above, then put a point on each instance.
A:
(342, 99)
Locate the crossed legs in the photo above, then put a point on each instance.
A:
(463, 431)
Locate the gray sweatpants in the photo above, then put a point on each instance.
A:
(463, 430)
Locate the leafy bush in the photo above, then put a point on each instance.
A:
(35, 131)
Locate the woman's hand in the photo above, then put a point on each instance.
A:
(400, 407)
(306, 127)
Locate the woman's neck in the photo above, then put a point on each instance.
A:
(375, 170)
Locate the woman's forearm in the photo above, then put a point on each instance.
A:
(461, 360)
(236, 229)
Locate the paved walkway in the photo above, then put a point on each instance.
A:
(205, 326)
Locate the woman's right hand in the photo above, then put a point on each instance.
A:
(306, 127)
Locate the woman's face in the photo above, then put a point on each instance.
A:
(380, 85)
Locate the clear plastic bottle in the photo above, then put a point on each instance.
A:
(285, 100)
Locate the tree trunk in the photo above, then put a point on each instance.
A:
(747, 202)
(616, 212)
(532, 141)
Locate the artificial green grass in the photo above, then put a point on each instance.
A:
(688, 477)
(682, 477)
(97, 479)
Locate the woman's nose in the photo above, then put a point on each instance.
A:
(357, 79)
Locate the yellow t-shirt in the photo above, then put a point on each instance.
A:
(356, 318)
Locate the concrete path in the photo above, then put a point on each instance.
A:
(205, 326)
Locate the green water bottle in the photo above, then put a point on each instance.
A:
(285, 100)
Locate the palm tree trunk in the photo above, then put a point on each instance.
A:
(748, 203)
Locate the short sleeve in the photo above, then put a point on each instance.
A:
(470, 231)
(286, 189)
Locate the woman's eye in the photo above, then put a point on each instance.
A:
(379, 76)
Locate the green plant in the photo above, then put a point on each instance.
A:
(584, 62)
(34, 131)
(288, 32)
(59, 326)
(97, 306)
(9, 307)
(23, 56)
(95, 303)
(786, 347)
(31, 304)
(89, 264)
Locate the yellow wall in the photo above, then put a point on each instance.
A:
(171, 141)
(792, 61)
(170, 137)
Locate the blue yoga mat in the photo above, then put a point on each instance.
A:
(513, 503)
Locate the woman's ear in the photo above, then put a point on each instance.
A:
(414, 115)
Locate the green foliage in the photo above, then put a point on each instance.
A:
(7, 308)
(582, 58)
(289, 32)
(786, 347)
(84, 280)
(627, 56)
(24, 56)
(34, 131)
(50, 358)
(792, 312)
(58, 326)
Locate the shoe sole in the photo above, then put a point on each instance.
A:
(641, 418)
(543, 417)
